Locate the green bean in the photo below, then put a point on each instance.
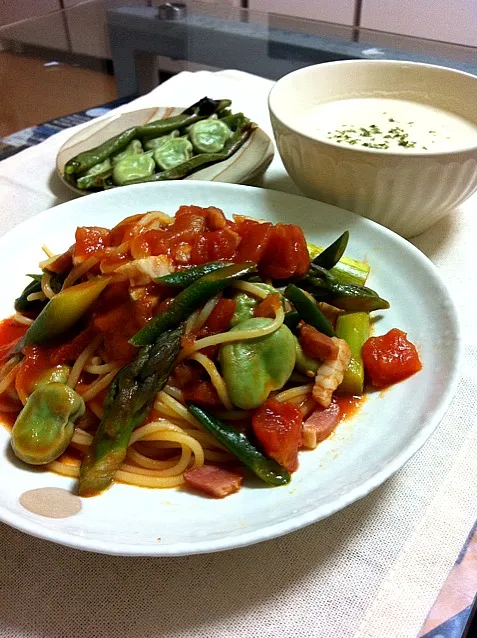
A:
(308, 310)
(240, 446)
(86, 160)
(90, 182)
(184, 278)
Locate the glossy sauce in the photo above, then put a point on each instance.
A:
(389, 125)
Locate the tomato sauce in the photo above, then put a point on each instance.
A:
(349, 405)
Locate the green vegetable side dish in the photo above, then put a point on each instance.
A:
(203, 134)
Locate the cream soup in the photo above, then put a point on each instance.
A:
(390, 124)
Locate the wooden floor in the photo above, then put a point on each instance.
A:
(32, 93)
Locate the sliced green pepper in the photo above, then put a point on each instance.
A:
(209, 136)
(308, 310)
(173, 153)
(240, 446)
(63, 311)
(189, 300)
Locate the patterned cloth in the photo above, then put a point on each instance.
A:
(27, 137)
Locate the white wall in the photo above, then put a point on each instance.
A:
(339, 11)
(447, 20)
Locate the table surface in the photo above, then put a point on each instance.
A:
(341, 577)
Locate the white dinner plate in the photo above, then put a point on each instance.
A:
(362, 453)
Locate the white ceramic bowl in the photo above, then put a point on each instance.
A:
(407, 192)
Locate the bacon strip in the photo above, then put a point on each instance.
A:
(213, 481)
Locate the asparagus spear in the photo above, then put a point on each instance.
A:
(129, 400)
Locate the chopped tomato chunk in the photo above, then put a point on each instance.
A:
(202, 393)
(220, 317)
(315, 344)
(214, 246)
(213, 481)
(255, 237)
(186, 372)
(187, 226)
(123, 231)
(320, 424)
(35, 363)
(286, 254)
(268, 307)
(215, 218)
(277, 426)
(90, 240)
(10, 333)
(71, 350)
(63, 262)
(390, 358)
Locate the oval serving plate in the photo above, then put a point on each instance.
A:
(363, 451)
(249, 162)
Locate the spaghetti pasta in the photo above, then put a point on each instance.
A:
(171, 442)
